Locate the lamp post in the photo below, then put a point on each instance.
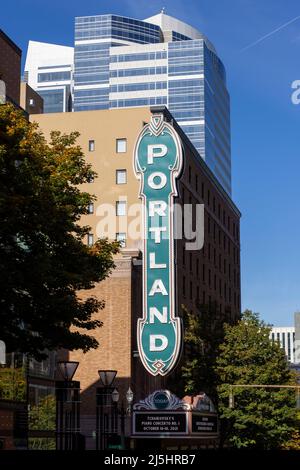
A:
(108, 413)
(129, 398)
(105, 419)
(67, 407)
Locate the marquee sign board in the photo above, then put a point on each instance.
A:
(162, 414)
(157, 164)
(157, 423)
(205, 423)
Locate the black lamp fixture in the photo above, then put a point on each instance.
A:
(115, 395)
(67, 369)
(129, 396)
(107, 377)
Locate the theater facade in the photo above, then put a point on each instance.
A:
(180, 238)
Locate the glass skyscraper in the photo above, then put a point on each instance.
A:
(124, 62)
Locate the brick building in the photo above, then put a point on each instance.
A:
(10, 67)
(203, 276)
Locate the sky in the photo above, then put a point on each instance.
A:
(259, 44)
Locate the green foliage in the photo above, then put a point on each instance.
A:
(203, 334)
(293, 443)
(42, 416)
(12, 384)
(43, 260)
(262, 418)
(218, 355)
(41, 443)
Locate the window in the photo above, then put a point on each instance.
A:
(121, 145)
(121, 176)
(90, 239)
(121, 237)
(91, 145)
(91, 208)
(54, 76)
(121, 208)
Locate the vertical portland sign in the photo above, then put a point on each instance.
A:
(157, 164)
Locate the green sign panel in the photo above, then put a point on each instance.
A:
(158, 163)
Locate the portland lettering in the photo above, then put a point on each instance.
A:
(157, 164)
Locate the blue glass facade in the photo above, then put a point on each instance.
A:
(91, 62)
(54, 76)
(183, 73)
(56, 100)
(117, 27)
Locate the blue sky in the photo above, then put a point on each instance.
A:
(265, 123)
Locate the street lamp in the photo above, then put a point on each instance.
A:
(67, 369)
(115, 396)
(129, 398)
(107, 377)
(106, 400)
(67, 407)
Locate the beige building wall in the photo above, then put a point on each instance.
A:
(104, 128)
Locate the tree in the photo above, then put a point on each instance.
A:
(12, 383)
(203, 333)
(42, 417)
(43, 259)
(293, 443)
(261, 418)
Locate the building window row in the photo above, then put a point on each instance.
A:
(221, 291)
(121, 145)
(219, 262)
(120, 237)
(224, 218)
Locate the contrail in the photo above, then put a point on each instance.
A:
(270, 34)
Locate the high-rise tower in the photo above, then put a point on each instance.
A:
(123, 62)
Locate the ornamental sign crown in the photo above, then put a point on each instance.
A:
(157, 164)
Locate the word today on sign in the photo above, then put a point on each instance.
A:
(157, 164)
